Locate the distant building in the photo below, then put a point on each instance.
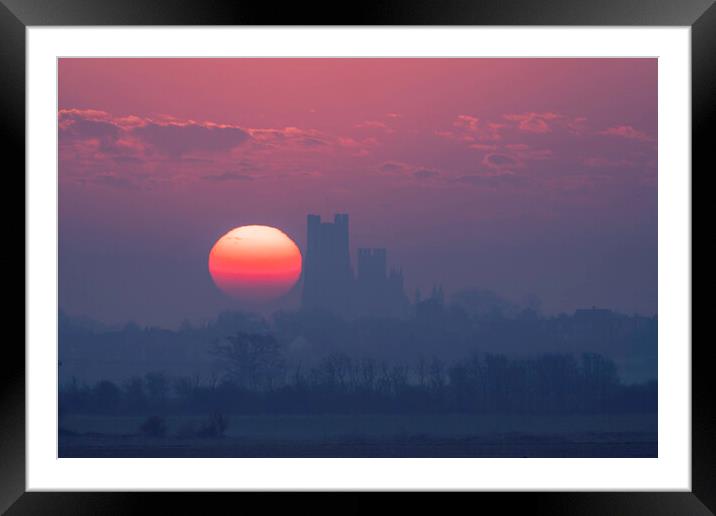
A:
(329, 283)
(431, 309)
(378, 292)
(327, 270)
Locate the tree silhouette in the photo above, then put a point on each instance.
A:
(253, 361)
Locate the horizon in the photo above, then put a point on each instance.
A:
(270, 314)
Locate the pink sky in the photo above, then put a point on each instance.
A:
(524, 176)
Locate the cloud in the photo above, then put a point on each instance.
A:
(525, 153)
(577, 125)
(87, 128)
(78, 125)
(515, 156)
(133, 134)
(499, 161)
(482, 147)
(538, 123)
(467, 122)
(600, 162)
(292, 139)
(534, 122)
(425, 173)
(127, 160)
(394, 167)
(114, 180)
(519, 141)
(375, 124)
(491, 180)
(470, 129)
(310, 141)
(409, 171)
(94, 141)
(228, 176)
(626, 131)
(509, 137)
(177, 139)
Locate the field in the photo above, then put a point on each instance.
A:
(450, 435)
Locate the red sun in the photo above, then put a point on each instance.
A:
(255, 263)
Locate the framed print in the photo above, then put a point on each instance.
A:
(422, 249)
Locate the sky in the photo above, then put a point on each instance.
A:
(529, 177)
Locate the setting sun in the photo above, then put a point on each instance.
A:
(255, 263)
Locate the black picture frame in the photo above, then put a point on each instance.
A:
(16, 15)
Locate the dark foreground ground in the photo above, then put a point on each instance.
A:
(376, 435)
(601, 445)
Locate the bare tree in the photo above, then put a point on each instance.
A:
(253, 360)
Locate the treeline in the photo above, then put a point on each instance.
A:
(256, 379)
(449, 330)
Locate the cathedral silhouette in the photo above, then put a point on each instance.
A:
(329, 283)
